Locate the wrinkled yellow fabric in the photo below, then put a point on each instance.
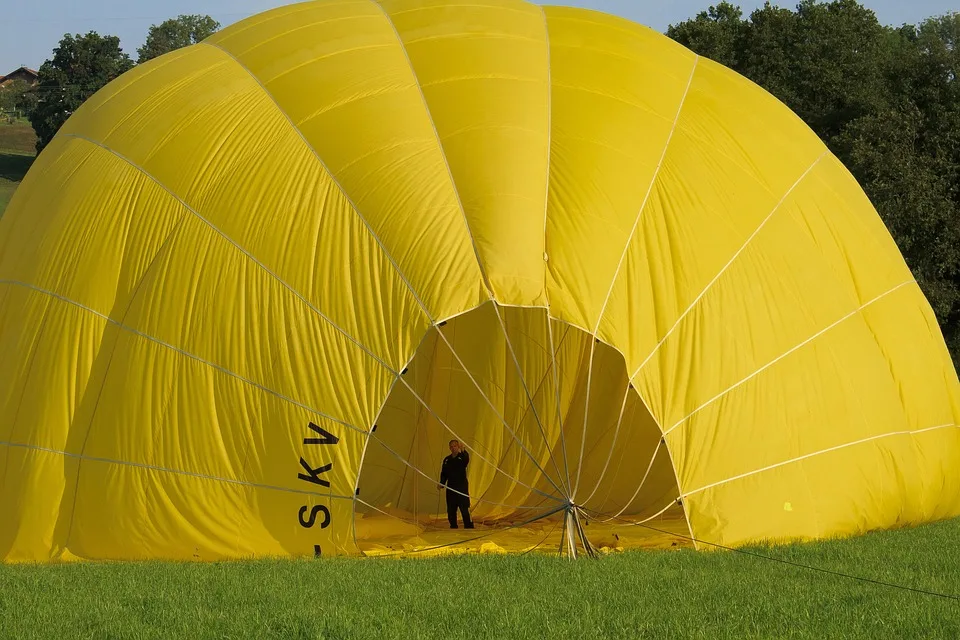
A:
(238, 258)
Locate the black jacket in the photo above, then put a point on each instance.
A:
(454, 471)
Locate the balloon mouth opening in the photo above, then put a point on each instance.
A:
(564, 456)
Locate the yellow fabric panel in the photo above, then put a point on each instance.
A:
(37, 419)
(726, 174)
(21, 323)
(246, 143)
(785, 305)
(595, 411)
(219, 431)
(32, 495)
(153, 505)
(853, 397)
(551, 359)
(202, 415)
(42, 405)
(124, 242)
(858, 243)
(529, 340)
(953, 390)
(391, 165)
(31, 207)
(483, 70)
(921, 368)
(531, 385)
(890, 481)
(395, 476)
(196, 301)
(643, 488)
(615, 91)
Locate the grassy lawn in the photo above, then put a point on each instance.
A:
(655, 594)
(17, 150)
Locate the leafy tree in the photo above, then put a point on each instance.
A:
(765, 50)
(80, 67)
(17, 97)
(715, 33)
(825, 60)
(175, 33)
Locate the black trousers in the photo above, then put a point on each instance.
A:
(458, 501)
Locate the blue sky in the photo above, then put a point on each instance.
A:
(30, 30)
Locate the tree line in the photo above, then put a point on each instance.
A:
(886, 101)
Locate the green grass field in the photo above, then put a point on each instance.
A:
(663, 594)
(17, 151)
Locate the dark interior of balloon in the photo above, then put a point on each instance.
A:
(548, 417)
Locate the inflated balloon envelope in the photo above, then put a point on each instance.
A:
(253, 287)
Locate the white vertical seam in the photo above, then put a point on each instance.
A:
(546, 255)
(613, 443)
(329, 174)
(546, 197)
(503, 419)
(446, 162)
(623, 255)
(643, 481)
(646, 197)
(730, 262)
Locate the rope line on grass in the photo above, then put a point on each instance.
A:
(946, 596)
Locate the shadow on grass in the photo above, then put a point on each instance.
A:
(14, 166)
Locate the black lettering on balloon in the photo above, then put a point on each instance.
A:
(314, 476)
(317, 508)
(327, 437)
(309, 516)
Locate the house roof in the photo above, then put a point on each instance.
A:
(30, 71)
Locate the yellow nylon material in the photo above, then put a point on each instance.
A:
(253, 287)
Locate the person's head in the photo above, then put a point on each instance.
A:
(455, 447)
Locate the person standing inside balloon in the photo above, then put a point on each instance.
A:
(453, 475)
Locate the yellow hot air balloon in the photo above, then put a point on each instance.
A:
(254, 287)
